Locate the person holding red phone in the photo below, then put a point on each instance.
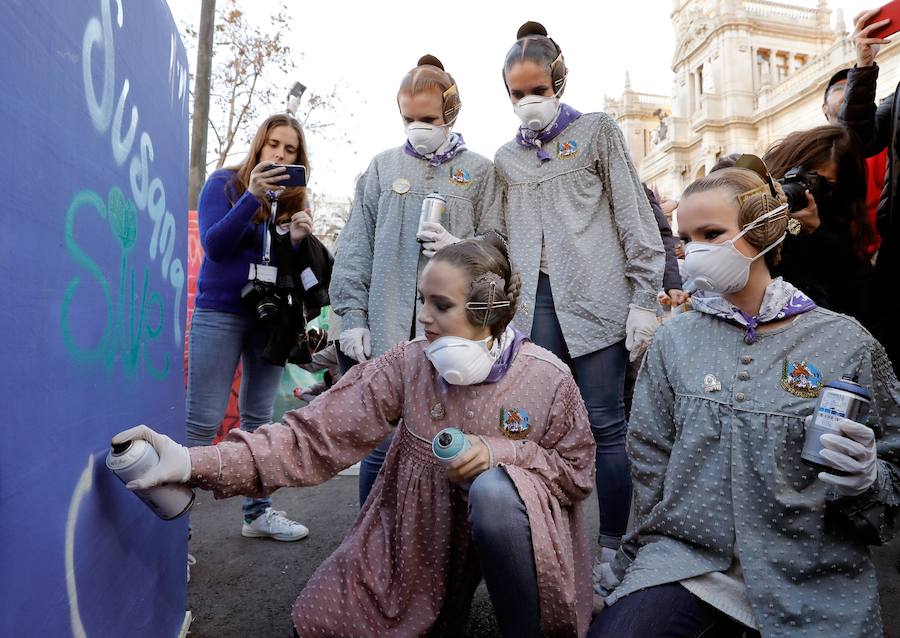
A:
(878, 128)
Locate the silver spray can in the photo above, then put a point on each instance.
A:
(842, 399)
(434, 209)
(130, 461)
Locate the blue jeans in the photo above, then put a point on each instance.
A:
(371, 464)
(665, 611)
(502, 538)
(217, 341)
(601, 378)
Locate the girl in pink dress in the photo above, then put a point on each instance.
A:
(508, 510)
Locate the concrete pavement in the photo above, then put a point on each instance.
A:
(244, 588)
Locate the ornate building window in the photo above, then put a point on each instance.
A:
(781, 65)
(762, 67)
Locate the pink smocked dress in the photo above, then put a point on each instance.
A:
(407, 566)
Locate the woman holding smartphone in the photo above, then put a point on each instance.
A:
(235, 216)
(509, 509)
(381, 250)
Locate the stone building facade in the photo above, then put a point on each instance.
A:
(745, 74)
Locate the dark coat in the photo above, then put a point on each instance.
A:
(671, 275)
(878, 127)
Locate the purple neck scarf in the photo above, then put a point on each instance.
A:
(781, 300)
(536, 139)
(454, 146)
(501, 366)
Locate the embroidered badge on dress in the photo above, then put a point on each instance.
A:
(566, 150)
(514, 423)
(711, 383)
(401, 186)
(460, 177)
(437, 411)
(801, 378)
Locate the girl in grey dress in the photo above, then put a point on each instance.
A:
(732, 533)
(378, 258)
(583, 235)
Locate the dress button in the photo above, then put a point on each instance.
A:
(743, 375)
(745, 359)
(740, 396)
(470, 415)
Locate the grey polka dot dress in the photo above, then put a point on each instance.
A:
(601, 240)
(378, 261)
(714, 442)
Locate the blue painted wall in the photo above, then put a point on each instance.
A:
(93, 244)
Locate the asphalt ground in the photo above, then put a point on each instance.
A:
(244, 587)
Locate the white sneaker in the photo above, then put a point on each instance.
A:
(274, 524)
(603, 578)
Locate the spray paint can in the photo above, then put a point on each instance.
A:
(448, 445)
(842, 399)
(434, 209)
(130, 461)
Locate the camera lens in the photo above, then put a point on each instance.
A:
(796, 195)
(266, 309)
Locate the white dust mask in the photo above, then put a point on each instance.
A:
(461, 361)
(426, 138)
(722, 268)
(537, 111)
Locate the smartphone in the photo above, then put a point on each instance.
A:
(889, 11)
(296, 173)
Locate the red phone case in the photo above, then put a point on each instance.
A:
(892, 11)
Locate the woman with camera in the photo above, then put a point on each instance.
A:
(823, 174)
(584, 235)
(252, 300)
(508, 509)
(385, 244)
(732, 532)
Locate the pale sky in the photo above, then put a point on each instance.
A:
(367, 47)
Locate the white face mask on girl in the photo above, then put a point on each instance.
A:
(461, 361)
(537, 111)
(722, 268)
(426, 138)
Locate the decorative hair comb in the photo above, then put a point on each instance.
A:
(495, 280)
(755, 164)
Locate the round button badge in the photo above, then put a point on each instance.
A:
(401, 186)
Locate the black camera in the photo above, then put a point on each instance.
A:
(262, 297)
(800, 179)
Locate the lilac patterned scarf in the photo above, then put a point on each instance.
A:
(780, 301)
(536, 139)
(511, 341)
(454, 145)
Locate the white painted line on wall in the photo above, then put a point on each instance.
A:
(85, 482)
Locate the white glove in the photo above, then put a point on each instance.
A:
(434, 237)
(174, 460)
(602, 574)
(852, 451)
(356, 343)
(639, 328)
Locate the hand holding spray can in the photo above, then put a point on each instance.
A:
(434, 210)
(132, 460)
(448, 445)
(842, 399)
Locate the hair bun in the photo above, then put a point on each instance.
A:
(531, 28)
(430, 60)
